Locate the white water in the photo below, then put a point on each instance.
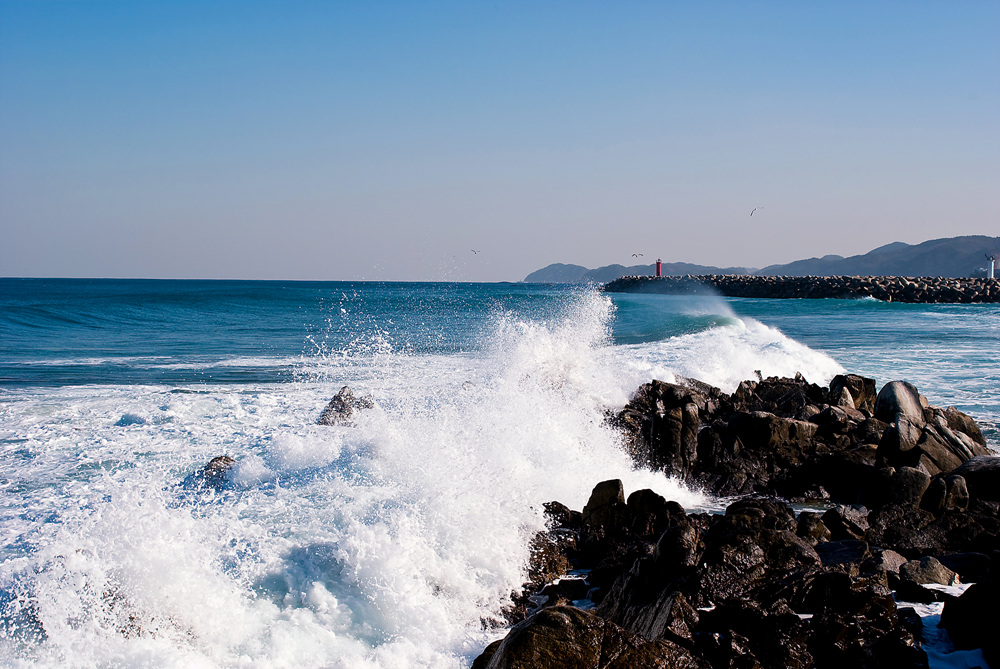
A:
(385, 544)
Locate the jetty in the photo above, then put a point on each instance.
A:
(884, 288)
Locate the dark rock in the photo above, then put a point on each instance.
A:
(848, 551)
(935, 495)
(606, 507)
(560, 515)
(660, 424)
(564, 637)
(900, 399)
(957, 497)
(847, 522)
(973, 619)
(342, 407)
(907, 486)
(970, 567)
(927, 570)
(964, 423)
(982, 477)
(213, 475)
(860, 388)
(811, 528)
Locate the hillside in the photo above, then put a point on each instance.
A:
(948, 257)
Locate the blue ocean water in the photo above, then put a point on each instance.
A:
(391, 542)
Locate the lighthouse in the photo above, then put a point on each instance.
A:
(659, 267)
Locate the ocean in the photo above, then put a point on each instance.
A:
(394, 541)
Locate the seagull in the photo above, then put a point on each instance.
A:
(636, 255)
(475, 251)
(755, 209)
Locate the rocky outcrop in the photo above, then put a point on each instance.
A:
(214, 475)
(788, 437)
(909, 495)
(746, 588)
(885, 288)
(342, 407)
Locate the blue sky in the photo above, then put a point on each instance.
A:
(386, 140)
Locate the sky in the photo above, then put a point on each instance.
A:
(480, 141)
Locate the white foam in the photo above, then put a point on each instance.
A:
(725, 356)
(383, 544)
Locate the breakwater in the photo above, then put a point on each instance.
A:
(885, 288)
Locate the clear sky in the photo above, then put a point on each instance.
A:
(387, 140)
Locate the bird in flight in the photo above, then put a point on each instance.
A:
(755, 209)
(475, 251)
(636, 255)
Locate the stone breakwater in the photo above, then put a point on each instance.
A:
(885, 288)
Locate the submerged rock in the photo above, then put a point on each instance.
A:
(341, 408)
(213, 475)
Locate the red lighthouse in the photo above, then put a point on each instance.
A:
(659, 267)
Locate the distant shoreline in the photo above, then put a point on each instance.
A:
(885, 288)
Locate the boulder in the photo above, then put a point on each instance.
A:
(811, 528)
(660, 424)
(565, 637)
(846, 522)
(861, 390)
(340, 410)
(927, 570)
(606, 507)
(215, 474)
(982, 477)
(900, 399)
(973, 619)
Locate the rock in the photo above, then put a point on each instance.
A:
(606, 507)
(899, 399)
(970, 567)
(973, 619)
(847, 522)
(213, 475)
(661, 424)
(565, 637)
(907, 486)
(848, 551)
(964, 423)
(861, 390)
(982, 477)
(341, 408)
(927, 570)
(888, 560)
(957, 496)
(811, 528)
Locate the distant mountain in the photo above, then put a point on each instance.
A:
(560, 273)
(951, 257)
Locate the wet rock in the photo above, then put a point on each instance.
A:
(342, 407)
(973, 619)
(861, 390)
(811, 528)
(982, 477)
(927, 570)
(565, 637)
(661, 424)
(900, 399)
(907, 486)
(848, 551)
(847, 522)
(213, 475)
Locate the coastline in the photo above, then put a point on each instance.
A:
(853, 512)
(928, 290)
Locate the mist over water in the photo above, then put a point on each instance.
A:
(392, 542)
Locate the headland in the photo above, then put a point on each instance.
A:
(885, 288)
